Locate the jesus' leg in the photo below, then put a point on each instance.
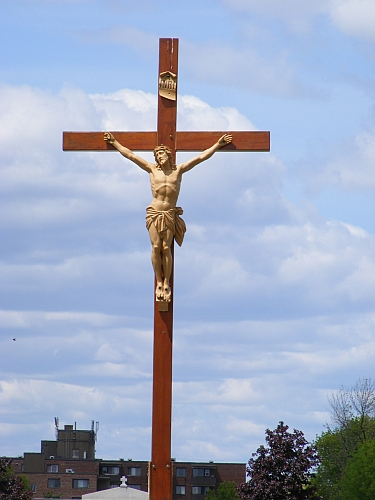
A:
(156, 260)
(167, 264)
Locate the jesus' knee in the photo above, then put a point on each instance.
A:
(156, 248)
(166, 249)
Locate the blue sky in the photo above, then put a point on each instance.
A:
(274, 294)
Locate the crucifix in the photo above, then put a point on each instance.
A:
(163, 219)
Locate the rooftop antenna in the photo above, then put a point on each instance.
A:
(56, 427)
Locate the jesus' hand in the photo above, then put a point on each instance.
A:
(109, 137)
(225, 139)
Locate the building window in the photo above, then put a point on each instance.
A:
(200, 490)
(180, 489)
(75, 454)
(81, 483)
(53, 483)
(33, 488)
(180, 472)
(201, 472)
(134, 471)
(112, 470)
(85, 455)
(135, 486)
(52, 468)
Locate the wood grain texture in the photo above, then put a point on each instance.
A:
(242, 141)
(181, 141)
(94, 141)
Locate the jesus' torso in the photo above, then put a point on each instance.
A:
(165, 187)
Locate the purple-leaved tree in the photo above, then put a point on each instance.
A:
(281, 469)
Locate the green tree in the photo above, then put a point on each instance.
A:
(12, 486)
(336, 448)
(353, 418)
(226, 491)
(358, 482)
(333, 459)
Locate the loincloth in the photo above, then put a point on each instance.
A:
(167, 219)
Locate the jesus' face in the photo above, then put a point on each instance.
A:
(161, 157)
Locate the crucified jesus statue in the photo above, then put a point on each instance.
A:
(163, 219)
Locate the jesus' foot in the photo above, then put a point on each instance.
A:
(167, 292)
(159, 293)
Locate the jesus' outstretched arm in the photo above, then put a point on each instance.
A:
(127, 152)
(223, 141)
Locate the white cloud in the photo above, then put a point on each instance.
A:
(17, 319)
(353, 166)
(37, 394)
(108, 353)
(291, 294)
(354, 17)
(227, 392)
(342, 181)
(193, 114)
(244, 427)
(269, 365)
(126, 109)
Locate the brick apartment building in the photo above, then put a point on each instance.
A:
(67, 469)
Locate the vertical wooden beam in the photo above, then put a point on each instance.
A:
(167, 109)
(161, 467)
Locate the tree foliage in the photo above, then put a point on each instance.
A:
(12, 486)
(358, 482)
(282, 469)
(353, 416)
(226, 491)
(336, 447)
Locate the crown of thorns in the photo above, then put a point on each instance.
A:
(162, 148)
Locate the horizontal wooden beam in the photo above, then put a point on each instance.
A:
(242, 141)
(94, 141)
(185, 141)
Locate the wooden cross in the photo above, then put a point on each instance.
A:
(160, 472)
